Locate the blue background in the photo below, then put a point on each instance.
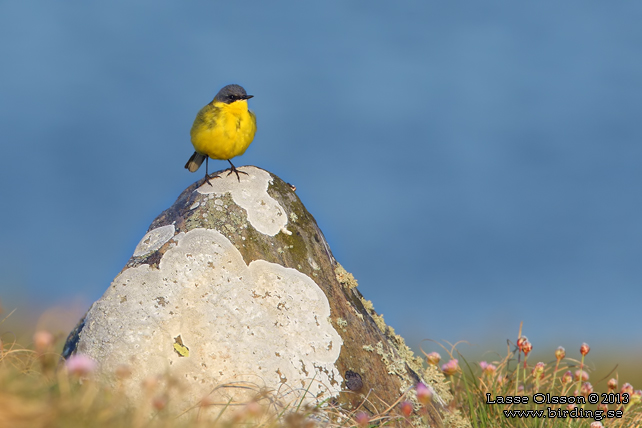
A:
(473, 165)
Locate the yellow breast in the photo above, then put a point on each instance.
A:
(223, 131)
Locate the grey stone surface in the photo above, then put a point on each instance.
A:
(233, 290)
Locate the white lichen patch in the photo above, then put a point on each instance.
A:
(260, 323)
(263, 212)
(313, 264)
(154, 239)
(284, 230)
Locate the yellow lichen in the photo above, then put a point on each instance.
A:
(381, 323)
(367, 304)
(378, 319)
(455, 420)
(436, 379)
(357, 313)
(394, 364)
(397, 357)
(415, 363)
(344, 277)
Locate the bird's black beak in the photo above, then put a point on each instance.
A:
(247, 97)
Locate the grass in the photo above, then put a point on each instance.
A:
(479, 389)
(37, 390)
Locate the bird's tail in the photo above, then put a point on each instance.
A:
(195, 161)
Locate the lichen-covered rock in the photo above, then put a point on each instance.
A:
(233, 290)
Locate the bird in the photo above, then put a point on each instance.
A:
(223, 129)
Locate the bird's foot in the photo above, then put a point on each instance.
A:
(207, 179)
(236, 171)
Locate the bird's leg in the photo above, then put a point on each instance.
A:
(207, 175)
(235, 171)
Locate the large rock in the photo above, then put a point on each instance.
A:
(234, 289)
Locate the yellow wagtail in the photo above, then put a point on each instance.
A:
(223, 129)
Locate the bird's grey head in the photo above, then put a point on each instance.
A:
(231, 93)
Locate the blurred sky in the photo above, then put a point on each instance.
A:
(472, 164)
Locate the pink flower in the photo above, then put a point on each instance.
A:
(362, 419)
(159, 402)
(433, 358)
(584, 349)
(254, 409)
(612, 384)
(424, 393)
(451, 367)
(538, 371)
(487, 368)
(43, 341)
(596, 424)
(568, 376)
(627, 388)
(586, 389)
(406, 408)
(560, 353)
(80, 365)
(581, 375)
